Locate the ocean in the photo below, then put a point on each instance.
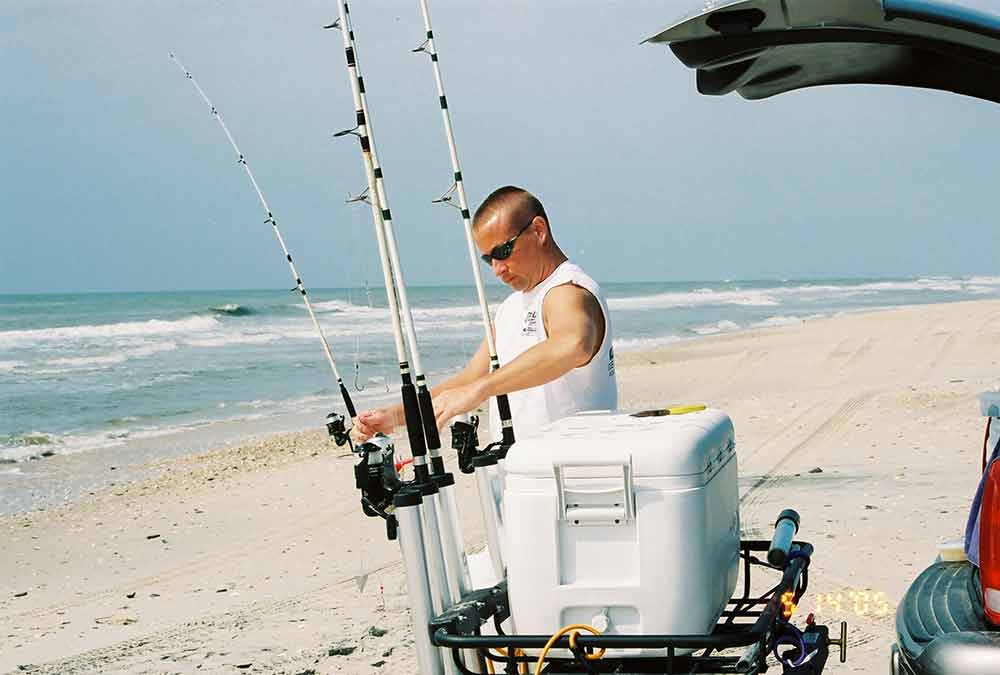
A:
(126, 376)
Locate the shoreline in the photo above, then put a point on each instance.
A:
(63, 477)
(257, 553)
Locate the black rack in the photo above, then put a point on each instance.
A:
(751, 622)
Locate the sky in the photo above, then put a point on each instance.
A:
(114, 176)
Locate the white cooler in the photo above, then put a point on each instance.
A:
(629, 524)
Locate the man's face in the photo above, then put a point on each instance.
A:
(518, 271)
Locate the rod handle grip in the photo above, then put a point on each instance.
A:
(785, 529)
(503, 407)
(351, 412)
(427, 416)
(414, 431)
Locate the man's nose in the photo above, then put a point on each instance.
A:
(499, 267)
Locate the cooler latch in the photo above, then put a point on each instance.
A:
(585, 499)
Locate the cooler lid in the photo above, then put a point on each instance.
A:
(659, 446)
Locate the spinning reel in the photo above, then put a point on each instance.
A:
(465, 439)
(338, 430)
(376, 476)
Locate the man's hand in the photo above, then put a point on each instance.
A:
(457, 400)
(371, 422)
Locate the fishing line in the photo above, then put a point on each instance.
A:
(381, 362)
(357, 364)
(335, 423)
(457, 189)
(358, 273)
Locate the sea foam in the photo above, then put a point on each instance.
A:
(698, 298)
(68, 334)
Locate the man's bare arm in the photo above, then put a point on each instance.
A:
(386, 419)
(574, 324)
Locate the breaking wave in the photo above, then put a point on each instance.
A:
(233, 339)
(639, 344)
(724, 326)
(97, 362)
(698, 298)
(14, 338)
(29, 439)
(233, 309)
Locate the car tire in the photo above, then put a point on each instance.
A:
(894, 666)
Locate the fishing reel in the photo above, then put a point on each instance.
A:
(465, 440)
(338, 430)
(376, 476)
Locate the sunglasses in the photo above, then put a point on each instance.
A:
(506, 249)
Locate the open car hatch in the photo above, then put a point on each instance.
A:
(760, 48)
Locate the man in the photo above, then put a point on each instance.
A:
(553, 333)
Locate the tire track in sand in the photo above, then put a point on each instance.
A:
(772, 479)
(943, 351)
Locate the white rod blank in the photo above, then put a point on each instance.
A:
(270, 219)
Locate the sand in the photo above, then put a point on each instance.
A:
(256, 557)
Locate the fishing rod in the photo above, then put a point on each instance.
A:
(464, 433)
(439, 576)
(458, 188)
(334, 422)
(379, 200)
(380, 215)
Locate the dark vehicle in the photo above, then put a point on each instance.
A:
(949, 619)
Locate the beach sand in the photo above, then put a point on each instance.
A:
(257, 558)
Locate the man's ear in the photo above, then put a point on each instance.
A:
(541, 227)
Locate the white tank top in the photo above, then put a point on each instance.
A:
(519, 326)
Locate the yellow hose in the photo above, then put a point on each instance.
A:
(574, 628)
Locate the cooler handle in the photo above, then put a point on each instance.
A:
(626, 491)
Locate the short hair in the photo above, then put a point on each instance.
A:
(521, 202)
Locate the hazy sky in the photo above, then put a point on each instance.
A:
(113, 175)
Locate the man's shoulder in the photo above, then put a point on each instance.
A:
(570, 293)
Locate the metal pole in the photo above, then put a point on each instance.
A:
(491, 519)
(407, 505)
